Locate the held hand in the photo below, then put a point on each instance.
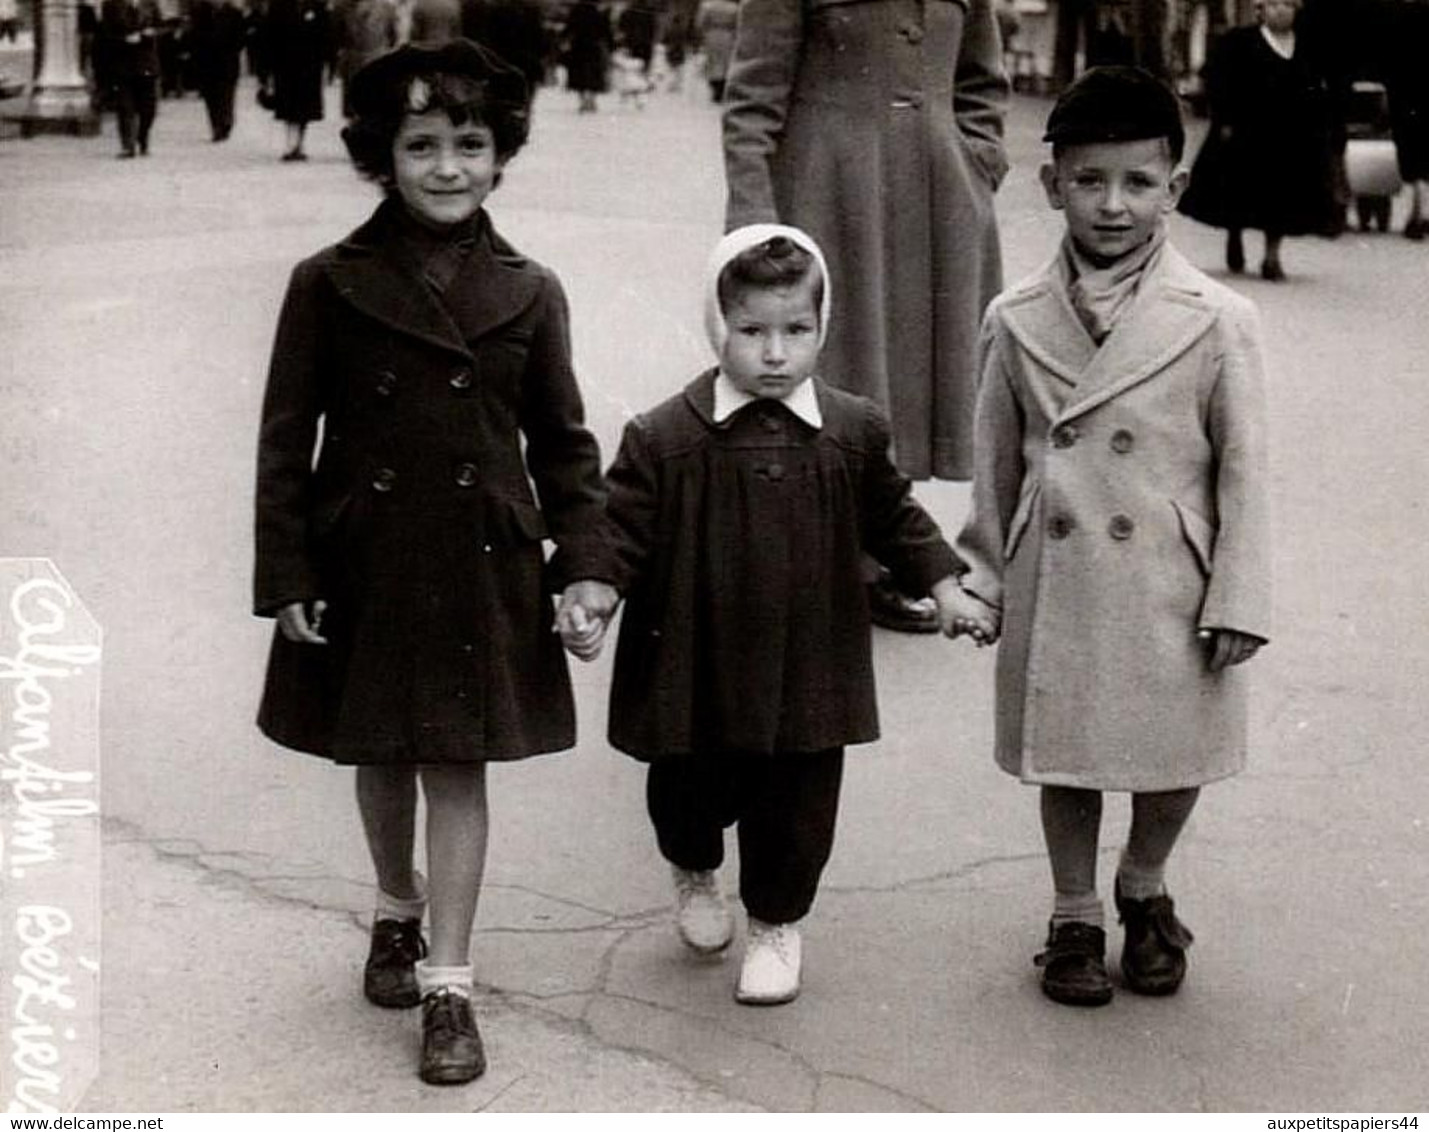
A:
(1227, 647)
(961, 613)
(581, 618)
(294, 622)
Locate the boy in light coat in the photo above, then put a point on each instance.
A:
(1118, 540)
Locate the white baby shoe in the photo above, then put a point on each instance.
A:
(701, 914)
(773, 955)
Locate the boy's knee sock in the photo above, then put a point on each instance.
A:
(391, 907)
(430, 977)
(1077, 907)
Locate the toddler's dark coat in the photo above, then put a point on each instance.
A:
(418, 524)
(738, 548)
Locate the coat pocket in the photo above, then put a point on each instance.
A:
(1200, 535)
(1031, 489)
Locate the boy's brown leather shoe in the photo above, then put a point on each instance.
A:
(1074, 965)
(390, 977)
(452, 1053)
(1153, 958)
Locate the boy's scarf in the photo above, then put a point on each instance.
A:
(1100, 295)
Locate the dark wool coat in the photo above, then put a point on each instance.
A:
(1268, 161)
(876, 126)
(1119, 507)
(738, 550)
(418, 523)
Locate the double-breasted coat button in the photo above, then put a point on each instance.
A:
(775, 472)
(461, 379)
(1122, 441)
(1060, 526)
(466, 475)
(1064, 436)
(912, 33)
(383, 479)
(1120, 527)
(386, 383)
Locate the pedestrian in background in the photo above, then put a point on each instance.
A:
(404, 565)
(435, 22)
(298, 45)
(515, 30)
(589, 41)
(877, 128)
(9, 20)
(739, 512)
(216, 39)
(367, 29)
(1269, 161)
(1408, 51)
(1118, 540)
(716, 21)
(127, 66)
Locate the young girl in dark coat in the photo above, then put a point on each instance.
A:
(404, 564)
(739, 511)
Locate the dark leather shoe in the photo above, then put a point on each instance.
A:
(1153, 958)
(1272, 271)
(451, 1045)
(891, 608)
(1416, 229)
(1074, 965)
(390, 978)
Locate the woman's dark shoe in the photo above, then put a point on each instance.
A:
(1074, 965)
(390, 978)
(1235, 254)
(451, 1045)
(1416, 229)
(1153, 958)
(891, 608)
(1272, 271)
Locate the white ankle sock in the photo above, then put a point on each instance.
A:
(1140, 882)
(430, 977)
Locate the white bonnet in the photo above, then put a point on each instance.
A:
(740, 240)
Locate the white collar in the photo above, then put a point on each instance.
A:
(802, 401)
(1283, 44)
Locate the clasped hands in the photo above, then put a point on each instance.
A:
(583, 615)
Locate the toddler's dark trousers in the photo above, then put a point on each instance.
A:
(784, 805)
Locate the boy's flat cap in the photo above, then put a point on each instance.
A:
(1116, 104)
(382, 84)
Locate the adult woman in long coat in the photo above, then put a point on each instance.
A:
(716, 21)
(876, 126)
(298, 48)
(589, 40)
(1268, 161)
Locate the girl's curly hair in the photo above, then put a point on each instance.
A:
(371, 133)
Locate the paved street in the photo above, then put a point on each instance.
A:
(137, 304)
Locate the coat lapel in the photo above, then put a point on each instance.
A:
(1168, 314)
(371, 272)
(1041, 318)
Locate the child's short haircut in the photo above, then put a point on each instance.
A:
(777, 262)
(460, 77)
(1111, 104)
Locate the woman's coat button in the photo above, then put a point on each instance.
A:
(1122, 441)
(1064, 436)
(461, 379)
(466, 475)
(1120, 527)
(1060, 526)
(386, 383)
(383, 479)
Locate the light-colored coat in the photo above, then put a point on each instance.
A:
(1119, 506)
(876, 126)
